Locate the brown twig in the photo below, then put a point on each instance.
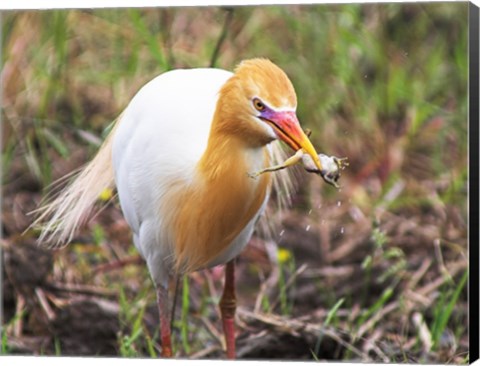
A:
(205, 352)
(295, 328)
(423, 331)
(81, 289)
(418, 275)
(42, 298)
(374, 319)
(214, 332)
(330, 271)
(136, 260)
(371, 344)
(432, 286)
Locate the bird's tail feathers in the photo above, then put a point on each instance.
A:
(61, 215)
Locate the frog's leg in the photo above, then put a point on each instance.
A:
(292, 160)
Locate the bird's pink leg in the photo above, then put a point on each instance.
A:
(228, 304)
(162, 302)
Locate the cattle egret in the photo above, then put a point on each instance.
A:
(182, 156)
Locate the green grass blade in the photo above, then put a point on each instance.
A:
(4, 342)
(152, 43)
(386, 295)
(445, 313)
(56, 142)
(184, 317)
(330, 316)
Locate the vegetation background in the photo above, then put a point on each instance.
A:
(375, 271)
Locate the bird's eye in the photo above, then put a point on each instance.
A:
(258, 104)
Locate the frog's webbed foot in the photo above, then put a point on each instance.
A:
(255, 175)
(342, 163)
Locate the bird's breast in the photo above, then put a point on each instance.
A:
(216, 207)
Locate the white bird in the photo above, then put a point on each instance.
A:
(181, 156)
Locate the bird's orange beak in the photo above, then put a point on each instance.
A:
(288, 129)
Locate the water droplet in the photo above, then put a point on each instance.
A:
(339, 203)
(365, 76)
(307, 228)
(342, 230)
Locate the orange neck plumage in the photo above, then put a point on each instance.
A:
(214, 210)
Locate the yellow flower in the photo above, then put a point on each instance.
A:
(284, 255)
(106, 194)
